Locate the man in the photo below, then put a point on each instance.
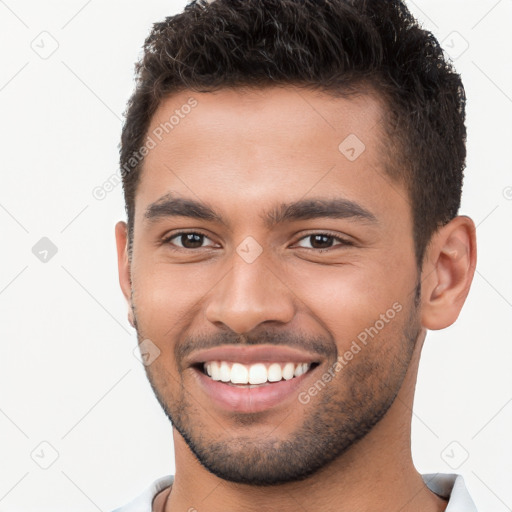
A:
(292, 173)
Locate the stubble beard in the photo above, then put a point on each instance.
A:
(333, 423)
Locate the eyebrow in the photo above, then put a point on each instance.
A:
(338, 208)
(171, 205)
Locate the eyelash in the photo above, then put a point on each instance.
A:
(343, 242)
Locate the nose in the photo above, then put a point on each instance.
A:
(248, 295)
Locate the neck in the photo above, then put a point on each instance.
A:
(376, 473)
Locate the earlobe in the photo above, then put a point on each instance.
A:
(448, 272)
(123, 264)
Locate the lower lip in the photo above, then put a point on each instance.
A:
(249, 399)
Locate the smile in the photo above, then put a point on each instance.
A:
(259, 373)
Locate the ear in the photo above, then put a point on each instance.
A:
(447, 273)
(123, 265)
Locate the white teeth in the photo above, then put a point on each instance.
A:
(239, 374)
(225, 372)
(298, 371)
(215, 371)
(257, 373)
(288, 371)
(275, 374)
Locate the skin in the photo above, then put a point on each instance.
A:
(243, 152)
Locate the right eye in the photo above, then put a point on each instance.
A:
(187, 240)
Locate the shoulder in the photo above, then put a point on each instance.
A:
(452, 487)
(144, 502)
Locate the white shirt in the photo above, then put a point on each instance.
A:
(445, 485)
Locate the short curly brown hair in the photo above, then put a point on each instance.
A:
(336, 46)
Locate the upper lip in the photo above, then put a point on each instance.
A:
(253, 354)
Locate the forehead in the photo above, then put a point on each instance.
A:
(274, 116)
(264, 145)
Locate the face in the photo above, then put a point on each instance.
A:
(273, 267)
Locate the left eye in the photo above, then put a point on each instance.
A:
(322, 241)
(188, 240)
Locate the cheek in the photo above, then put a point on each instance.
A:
(170, 299)
(349, 299)
(164, 297)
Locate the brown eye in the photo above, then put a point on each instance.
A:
(191, 240)
(187, 240)
(322, 241)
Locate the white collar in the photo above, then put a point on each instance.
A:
(446, 485)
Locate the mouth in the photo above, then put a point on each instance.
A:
(252, 378)
(255, 374)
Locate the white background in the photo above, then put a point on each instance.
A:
(68, 375)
